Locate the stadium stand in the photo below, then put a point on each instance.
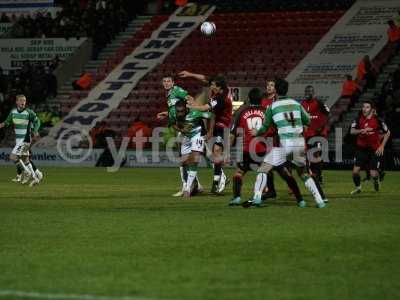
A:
(237, 6)
(238, 51)
(75, 19)
(386, 95)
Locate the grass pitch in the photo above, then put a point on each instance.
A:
(88, 232)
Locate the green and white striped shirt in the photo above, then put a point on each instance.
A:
(193, 122)
(289, 117)
(174, 95)
(25, 122)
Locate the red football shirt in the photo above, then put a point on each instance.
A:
(371, 140)
(319, 118)
(267, 102)
(221, 105)
(250, 117)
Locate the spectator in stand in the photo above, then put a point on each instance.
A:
(83, 83)
(55, 62)
(79, 18)
(51, 83)
(38, 84)
(350, 89)
(138, 129)
(389, 98)
(180, 3)
(3, 86)
(97, 131)
(48, 116)
(394, 35)
(366, 73)
(106, 159)
(4, 18)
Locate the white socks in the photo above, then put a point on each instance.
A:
(310, 185)
(30, 168)
(191, 177)
(261, 183)
(24, 166)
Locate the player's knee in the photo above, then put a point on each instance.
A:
(374, 173)
(194, 157)
(184, 160)
(217, 149)
(356, 171)
(264, 168)
(238, 174)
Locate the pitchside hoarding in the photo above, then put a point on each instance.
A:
(13, 52)
(23, 7)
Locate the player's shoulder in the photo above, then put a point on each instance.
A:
(198, 113)
(284, 101)
(303, 102)
(248, 110)
(178, 89)
(30, 111)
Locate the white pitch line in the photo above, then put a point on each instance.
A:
(37, 295)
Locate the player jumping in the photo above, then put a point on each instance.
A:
(220, 103)
(25, 124)
(190, 124)
(174, 94)
(289, 117)
(368, 128)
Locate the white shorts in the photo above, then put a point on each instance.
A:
(292, 150)
(189, 145)
(21, 149)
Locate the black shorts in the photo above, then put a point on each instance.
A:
(251, 163)
(367, 159)
(219, 136)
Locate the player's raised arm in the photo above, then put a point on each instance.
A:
(187, 74)
(162, 115)
(201, 107)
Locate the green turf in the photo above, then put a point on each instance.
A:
(86, 231)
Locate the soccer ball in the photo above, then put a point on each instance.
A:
(208, 28)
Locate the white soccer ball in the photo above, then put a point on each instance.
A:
(208, 28)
